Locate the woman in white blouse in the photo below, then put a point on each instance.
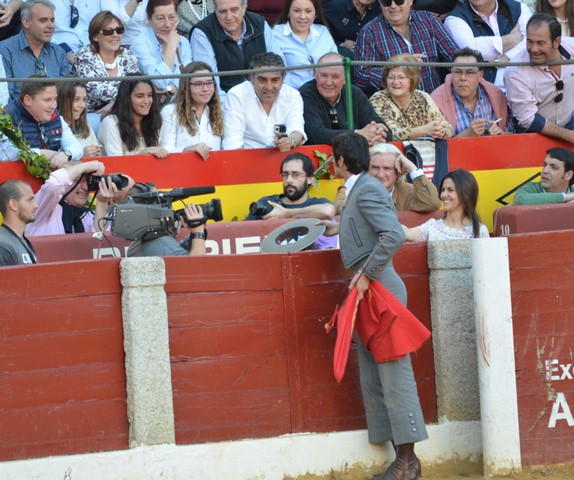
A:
(133, 126)
(194, 123)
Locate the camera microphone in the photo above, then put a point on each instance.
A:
(172, 195)
(190, 192)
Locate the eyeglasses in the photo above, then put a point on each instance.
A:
(110, 31)
(387, 3)
(200, 85)
(469, 72)
(400, 78)
(334, 118)
(559, 86)
(74, 15)
(293, 175)
(42, 67)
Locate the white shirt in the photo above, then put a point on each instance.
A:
(490, 47)
(174, 137)
(247, 124)
(75, 37)
(133, 24)
(110, 139)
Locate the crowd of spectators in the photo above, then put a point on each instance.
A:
(267, 106)
(117, 38)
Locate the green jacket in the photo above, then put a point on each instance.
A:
(533, 194)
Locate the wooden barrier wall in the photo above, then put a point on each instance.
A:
(250, 357)
(62, 376)
(543, 314)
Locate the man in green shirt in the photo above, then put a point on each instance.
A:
(555, 186)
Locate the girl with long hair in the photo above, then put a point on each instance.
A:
(459, 194)
(562, 10)
(134, 123)
(72, 107)
(194, 123)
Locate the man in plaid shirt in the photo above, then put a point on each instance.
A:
(402, 30)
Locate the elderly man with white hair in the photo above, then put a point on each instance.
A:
(389, 166)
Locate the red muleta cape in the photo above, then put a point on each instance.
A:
(385, 326)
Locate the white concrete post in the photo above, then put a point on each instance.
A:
(146, 343)
(495, 347)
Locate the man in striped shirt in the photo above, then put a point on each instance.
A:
(402, 30)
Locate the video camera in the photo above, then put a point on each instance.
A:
(151, 215)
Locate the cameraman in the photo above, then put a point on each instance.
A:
(62, 197)
(167, 245)
(297, 173)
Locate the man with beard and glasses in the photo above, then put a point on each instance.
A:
(297, 173)
(18, 207)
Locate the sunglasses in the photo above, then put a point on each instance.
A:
(559, 86)
(110, 31)
(42, 67)
(334, 118)
(74, 15)
(388, 3)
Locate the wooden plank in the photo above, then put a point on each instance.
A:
(71, 428)
(223, 273)
(60, 280)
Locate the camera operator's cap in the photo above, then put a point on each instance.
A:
(293, 236)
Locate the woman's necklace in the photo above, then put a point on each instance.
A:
(202, 4)
(111, 66)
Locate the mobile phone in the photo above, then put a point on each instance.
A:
(280, 130)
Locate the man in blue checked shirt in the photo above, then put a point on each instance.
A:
(32, 52)
(402, 30)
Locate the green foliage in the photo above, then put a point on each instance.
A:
(36, 164)
(323, 168)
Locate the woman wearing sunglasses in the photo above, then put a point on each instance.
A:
(104, 57)
(195, 122)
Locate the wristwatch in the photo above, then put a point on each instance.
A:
(200, 235)
(67, 152)
(170, 90)
(293, 143)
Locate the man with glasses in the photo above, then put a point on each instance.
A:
(496, 28)
(402, 30)
(473, 106)
(264, 112)
(297, 172)
(32, 52)
(541, 96)
(41, 124)
(325, 107)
